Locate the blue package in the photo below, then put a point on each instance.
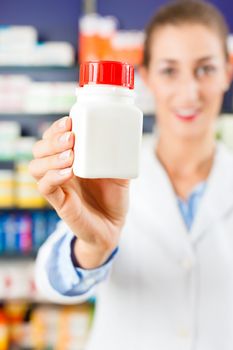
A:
(2, 235)
(25, 233)
(52, 220)
(10, 230)
(39, 228)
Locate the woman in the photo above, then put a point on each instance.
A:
(171, 283)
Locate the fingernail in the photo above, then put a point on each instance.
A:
(65, 137)
(64, 155)
(65, 171)
(62, 122)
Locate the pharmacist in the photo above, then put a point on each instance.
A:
(161, 263)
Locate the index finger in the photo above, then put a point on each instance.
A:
(60, 125)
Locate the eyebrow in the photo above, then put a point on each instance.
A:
(201, 59)
(206, 58)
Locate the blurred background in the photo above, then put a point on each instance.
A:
(42, 44)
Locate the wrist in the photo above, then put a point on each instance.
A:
(88, 256)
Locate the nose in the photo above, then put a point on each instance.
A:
(188, 89)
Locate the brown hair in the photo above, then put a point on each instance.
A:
(186, 12)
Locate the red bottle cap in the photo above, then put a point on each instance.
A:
(107, 72)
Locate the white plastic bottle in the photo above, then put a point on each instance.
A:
(106, 123)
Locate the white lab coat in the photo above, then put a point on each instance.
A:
(169, 289)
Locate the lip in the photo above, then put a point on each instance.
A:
(188, 118)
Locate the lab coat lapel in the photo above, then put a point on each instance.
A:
(174, 234)
(218, 196)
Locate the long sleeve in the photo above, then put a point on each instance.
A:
(56, 274)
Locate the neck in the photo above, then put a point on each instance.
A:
(187, 162)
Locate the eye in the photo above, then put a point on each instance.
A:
(168, 71)
(205, 70)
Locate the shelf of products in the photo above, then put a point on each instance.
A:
(32, 69)
(22, 231)
(34, 124)
(25, 219)
(31, 124)
(42, 73)
(29, 326)
(31, 98)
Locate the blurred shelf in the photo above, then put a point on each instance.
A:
(33, 68)
(31, 122)
(45, 209)
(25, 118)
(17, 256)
(43, 73)
(148, 123)
(13, 115)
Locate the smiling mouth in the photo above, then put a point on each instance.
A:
(187, 115)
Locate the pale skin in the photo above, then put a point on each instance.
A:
(188, 71)
(188, 79)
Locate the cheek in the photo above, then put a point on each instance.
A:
(212, 97)
(162, 94)
(212, 89)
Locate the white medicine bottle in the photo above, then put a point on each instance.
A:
(106, 123)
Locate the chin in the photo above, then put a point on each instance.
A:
(192, 134)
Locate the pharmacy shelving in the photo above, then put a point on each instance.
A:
(30, 126)
(31, 121)
(17, 257)
(26, 325)
(43, 73)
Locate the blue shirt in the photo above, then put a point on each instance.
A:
(70, 280)
(189, 208)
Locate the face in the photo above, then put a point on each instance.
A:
(188, 76)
